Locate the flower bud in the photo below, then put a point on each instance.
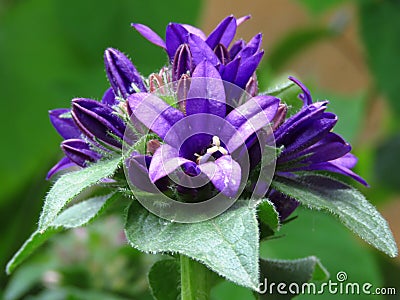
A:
(152, 146)
(182, 91)
(98, 121)
(280, 116)
(79, 152)
(182, 62)
(123, 76)
(252, 85)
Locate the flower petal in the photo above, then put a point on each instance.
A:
(149, 34)
(250, 117)
(243, 19)
(251, 47)
(236, 47)
(224, 173)
(206, 93)
(306, 95)
(195, 30)
(97, 121)
(138, 174)
(223, 33)
(109, 98)
(79, 152)
(121, 73)
(201, 51)
(165, 161)
(247, 68)
(153, 112)
(176, 35)
(64, 125)
(63, 164)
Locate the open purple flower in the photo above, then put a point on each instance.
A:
(204, 141)
(188, 46)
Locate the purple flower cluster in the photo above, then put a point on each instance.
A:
(93, 129)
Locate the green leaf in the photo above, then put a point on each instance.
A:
(70, 185)
(297, 271)
(268, 215)
(380, 27)
(164, 279)
(227, 244)
(356, 213)
(72, 217)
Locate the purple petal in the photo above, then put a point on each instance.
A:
(284, 205)
(230, 71)
(79, 152)
(306, 95)
(121, 73)
(206, 93)
(224, 173)
(63, 164)
(223, 33)
(309, 133)
(236, 47)
(109, 98)
(195, 30)
(335, 167)
(138, 174)
(149, 34)
(176, 35)
(251, 47)
(247, 68)
(165, 161)
(250, 117)
(348, 161)
(154, 113)
(65, 126)
(243, 19)
(307, 113)
(331, 147)
(201, 51)
(97, 121)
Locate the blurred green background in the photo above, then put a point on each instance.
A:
(51, 51)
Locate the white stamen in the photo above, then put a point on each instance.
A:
(216, 147)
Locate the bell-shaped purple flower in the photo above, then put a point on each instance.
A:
(204, 140)
(98, 121)
(309, 144)
(121, 73)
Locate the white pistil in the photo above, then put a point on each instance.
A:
(215, 147)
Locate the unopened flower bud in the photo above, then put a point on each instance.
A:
(152, 146)
(182, 92)
(123, 76)
(98, 121)
(79, 152)
(279, 117)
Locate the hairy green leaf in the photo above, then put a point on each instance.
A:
(356, 213)
(227, 244)
(70, 185)
(297, 271)
(164, 279)
(268, 215)
(72, 217)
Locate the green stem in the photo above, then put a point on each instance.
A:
(195, 281)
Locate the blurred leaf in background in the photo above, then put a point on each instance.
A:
(50, 52)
